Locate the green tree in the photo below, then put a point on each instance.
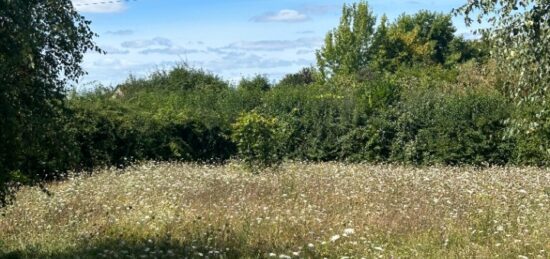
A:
(519, 32)
(347, 48)
(303, 77)
(423, 37)
(42, 43)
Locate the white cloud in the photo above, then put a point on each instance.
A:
(271, 45)
(157, 41)
(169, 51)
(95, 6)
(286, 15)
(114, 50)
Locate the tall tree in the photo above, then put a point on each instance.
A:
(42, 43)
(422, 37)
(520, 35)
(347, 47)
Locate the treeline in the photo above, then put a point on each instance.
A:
(417, 115)
(417, 94)
(403, 91)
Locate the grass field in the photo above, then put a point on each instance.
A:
(300, 210)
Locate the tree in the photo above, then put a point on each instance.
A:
(424, 37)
(347, 48)
(256, 83)
(303, 77)
(42, 43)
(519, 33)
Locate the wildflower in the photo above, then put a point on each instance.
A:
(349, 231)
(272, 255)
(282, 256)
(334, 238)
(310, 245)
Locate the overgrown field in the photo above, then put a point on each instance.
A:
(299, 210)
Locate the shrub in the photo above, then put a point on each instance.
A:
(438, 128)
(532, 139)
(258, 139)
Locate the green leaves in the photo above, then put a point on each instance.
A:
(356, 46)
(42, 44)
(347, 48)
(259, 140)
(520, 37)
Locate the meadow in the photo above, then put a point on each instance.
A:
(298, 210)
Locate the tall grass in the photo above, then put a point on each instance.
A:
(299, 210)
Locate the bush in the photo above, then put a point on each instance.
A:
(438, 128)
(532, 139)
(258, 140)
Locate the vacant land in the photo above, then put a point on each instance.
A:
(298, 210)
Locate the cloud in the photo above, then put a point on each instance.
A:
(120, 32)
(313, 9)
(285, 15)
(93, 6)
(236, 60)
(138, 44)
(270, 45)
(115, 51)
(169, 51)
(306, 32)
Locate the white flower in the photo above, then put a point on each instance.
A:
(272, 254)
(349, 231)
(284, 256)
(310, 245)
(334, 238)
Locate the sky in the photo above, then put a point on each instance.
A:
(231, 38)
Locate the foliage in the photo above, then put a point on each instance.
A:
(42, 44)
(356, 47)
(438, 128)
(258, 139)
(519, 33)
(306, 76)
(346, 48)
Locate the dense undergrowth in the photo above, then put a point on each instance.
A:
(421, 116)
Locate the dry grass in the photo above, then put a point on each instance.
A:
(302, 210)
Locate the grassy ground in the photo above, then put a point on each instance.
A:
(301, 210)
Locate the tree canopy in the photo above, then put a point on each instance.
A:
(42, 43)
(347, 48)
(520, 35)
(359, 44)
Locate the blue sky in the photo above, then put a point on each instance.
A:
(232, 38)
